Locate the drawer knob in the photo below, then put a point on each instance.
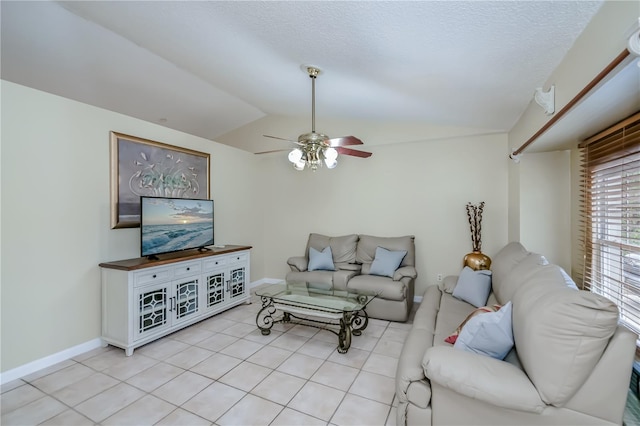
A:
(216, 263)
(188, 269)
(154, 275)
(238, 257)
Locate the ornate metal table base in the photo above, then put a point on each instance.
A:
(350, 323)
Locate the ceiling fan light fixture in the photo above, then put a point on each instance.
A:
(295, 155)
(330, 154)
(315, 148)
(331, 164)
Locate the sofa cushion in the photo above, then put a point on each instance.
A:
(386, 261)
(343, 248)
(505, 288)
(508, 257)
(452, 312)
(320, 260)
(488, 334)
(560, 333)
(367, 245)
(384, 286)
(473, 286)
(481, 310)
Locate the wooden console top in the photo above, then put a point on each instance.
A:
(165, 259)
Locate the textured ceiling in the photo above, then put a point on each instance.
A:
(210, 68)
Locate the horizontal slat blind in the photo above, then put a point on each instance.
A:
(610, 218)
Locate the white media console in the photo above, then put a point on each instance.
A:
(143, 300)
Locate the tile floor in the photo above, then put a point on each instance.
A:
(221, 371)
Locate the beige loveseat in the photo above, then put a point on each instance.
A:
(352, 259)
(570, 365)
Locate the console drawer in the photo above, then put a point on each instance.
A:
(187, 269)
(235, 258)
(210, 264)
(149, 277)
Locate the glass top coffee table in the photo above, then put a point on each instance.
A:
(340, 312)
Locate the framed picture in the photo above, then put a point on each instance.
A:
(155, 169)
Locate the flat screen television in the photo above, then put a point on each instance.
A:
(174, 224)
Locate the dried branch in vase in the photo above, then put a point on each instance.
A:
(474, 213)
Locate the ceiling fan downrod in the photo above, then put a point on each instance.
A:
(313, 73)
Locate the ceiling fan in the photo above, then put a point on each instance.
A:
(315, 148)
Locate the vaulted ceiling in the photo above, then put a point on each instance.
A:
(214, 68)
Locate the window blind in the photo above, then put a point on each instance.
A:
(610, 217)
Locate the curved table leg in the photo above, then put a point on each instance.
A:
(264, 319)
(359, 322)
(344, 335)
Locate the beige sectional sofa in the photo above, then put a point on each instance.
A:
(570, 365)
(353, 266)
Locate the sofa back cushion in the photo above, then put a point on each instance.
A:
(519, 274)
(560, 333)
(367, 245)
(343, 248)
(505, 260)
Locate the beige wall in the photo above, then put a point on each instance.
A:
(55, 216)
(418, 188)
(545, 205)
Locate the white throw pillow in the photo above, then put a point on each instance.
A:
(321, 260)
(473, 286)
(386, 262)
(489, 334)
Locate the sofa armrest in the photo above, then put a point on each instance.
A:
(298, 263)
(483, 378)
(405, 271)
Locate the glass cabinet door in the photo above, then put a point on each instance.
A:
(153, 306)
(237, 281)
(215, 284)
(186, 299)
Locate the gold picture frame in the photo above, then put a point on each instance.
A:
(145, 167)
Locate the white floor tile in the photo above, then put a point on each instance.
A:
(180, 417)
(317, 400)
(84, 389)
(355, 410)
(335, 375)
(216, 366)
(299, 365)
(146, 411)
(34, 412)
(19, 397)
(289, 417)
(245, 376)
(279, 387)
(109, 402)
(182, 388)
(374, 386)
(270, 356)
(214, 401)
(251, 410)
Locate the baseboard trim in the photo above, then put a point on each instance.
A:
(265, 281)
(48, 361)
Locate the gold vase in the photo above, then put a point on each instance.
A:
(477, 260)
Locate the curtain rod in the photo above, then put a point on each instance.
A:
(617, 61)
